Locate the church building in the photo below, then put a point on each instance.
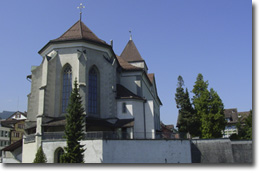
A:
(119, 96)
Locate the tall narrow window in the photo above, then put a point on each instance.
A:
(93, 91)
(124, 107)
(66, 87)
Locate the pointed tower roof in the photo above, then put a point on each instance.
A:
(79, 31)
(130, 53)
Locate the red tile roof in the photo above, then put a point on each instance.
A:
(151, 77)
(13, 146)
(130, 53)
(127, 66)
(79, 31)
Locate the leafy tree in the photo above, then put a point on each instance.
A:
(245, 127)
(185, 123)
(40, 156)
(209, 110)
(74, 129)
(214, 122)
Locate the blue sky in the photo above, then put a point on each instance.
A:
(175, 37)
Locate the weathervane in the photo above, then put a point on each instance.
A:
(80, 9)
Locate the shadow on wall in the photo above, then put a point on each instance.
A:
(221, 151)
(195, 154)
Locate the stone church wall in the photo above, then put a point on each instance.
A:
(33, 97)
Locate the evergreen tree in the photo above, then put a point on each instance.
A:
(74, 129)
(185, 108)
(200, 101)
(209, 110)
(40, 156)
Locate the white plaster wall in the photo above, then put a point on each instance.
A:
(129, 109)
(29, 152)
(149, 119)
(10, 160)
(92, 154)
(50, 147)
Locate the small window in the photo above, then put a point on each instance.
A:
(124, 107)
(20, 126)
(57, 155)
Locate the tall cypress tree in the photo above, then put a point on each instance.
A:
(74, 129)
(185, 108)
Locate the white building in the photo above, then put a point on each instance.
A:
(118, 94)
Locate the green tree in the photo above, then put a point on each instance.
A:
(185, 108)
(74, 129)
(244, 127)
(200, 102)
(209, 110)
(213, 123)
(40, 156)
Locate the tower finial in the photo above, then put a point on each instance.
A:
(130, 34)
(80, 9)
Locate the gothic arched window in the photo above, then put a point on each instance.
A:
(93, 91)
(66, 87)
(57, 155)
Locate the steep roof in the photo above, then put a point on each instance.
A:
(127, 66)
(14, 146)
(130, 52)
(79, 31)
(151, 77)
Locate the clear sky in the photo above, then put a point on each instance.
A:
(175, 37)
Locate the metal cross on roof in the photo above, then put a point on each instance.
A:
(80, 9)
(130, 34)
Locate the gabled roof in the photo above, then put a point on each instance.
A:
(130, 53)
(17, 113)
